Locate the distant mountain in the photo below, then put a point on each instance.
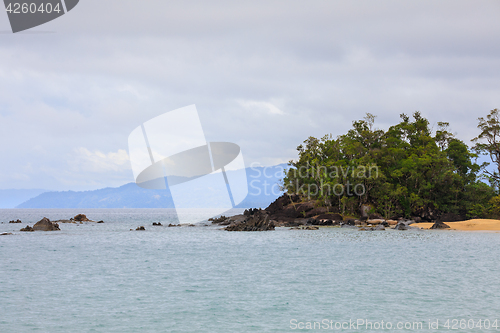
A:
(12, 198)
(262, 187)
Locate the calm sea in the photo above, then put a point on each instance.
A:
(106, 278)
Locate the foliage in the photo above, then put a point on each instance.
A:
(404, 171)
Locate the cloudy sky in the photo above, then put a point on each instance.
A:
(263, 74)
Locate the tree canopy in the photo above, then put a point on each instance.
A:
(408, 170)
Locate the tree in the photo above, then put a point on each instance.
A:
(488, 141)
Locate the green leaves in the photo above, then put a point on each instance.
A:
(416, 172)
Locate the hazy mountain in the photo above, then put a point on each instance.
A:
(262, 187)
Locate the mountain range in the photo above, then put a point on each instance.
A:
(262, 187)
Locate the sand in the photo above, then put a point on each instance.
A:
(469, 225)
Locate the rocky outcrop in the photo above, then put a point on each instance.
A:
(16, 221)
(257, 221)
(28, 228)
(217, 220)
(81, 218)
(5, 233)
(140, 228)
(45, 225)
(439, 225)
(157, 224)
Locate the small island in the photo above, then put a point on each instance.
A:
(409, 176)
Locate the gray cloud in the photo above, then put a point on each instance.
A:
(111, 65)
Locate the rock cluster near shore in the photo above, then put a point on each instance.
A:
(290, 211)
(251, 220)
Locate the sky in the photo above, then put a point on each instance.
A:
(263, 74)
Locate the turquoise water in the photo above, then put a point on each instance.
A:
(106, 278)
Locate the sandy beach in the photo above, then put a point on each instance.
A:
(469, 225)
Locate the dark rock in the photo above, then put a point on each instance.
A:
(45, 225)
(217, 220)
(401, 226)
(173, 225)
(311, 228)
(375, 216)
(157, 224)
(257, 222)
(316, 211)
(350, 222)
(6, 233)
(332, 216)
(277, 205)
(385, 224)
(140, 228)
(28, 228)
(439, 225)
(101, 221)
(16, 221)
(379, 227)
(81, 217)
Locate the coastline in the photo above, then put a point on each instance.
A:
(468, 225)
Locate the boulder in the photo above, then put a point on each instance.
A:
(439, 225)
(45, 225)
(101, 221)
(332, 216)
(401, 226)
(170, 225)
(257, 222)
(28, 228)
(81, 218)
(16, 221)
(157, 224)
(5, 233)
(140, 228)
(350, 222)
(375, 216)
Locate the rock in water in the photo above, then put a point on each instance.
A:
(258, 221)
(81, 217)
(45, 225)
(28, 228)
(16, 221)
(440, 225)
(401, 226)
(140, 228)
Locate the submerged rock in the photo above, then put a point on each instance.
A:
(45, 225)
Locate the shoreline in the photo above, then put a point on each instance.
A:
(468, 225)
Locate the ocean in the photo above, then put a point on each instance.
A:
(105, 278)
